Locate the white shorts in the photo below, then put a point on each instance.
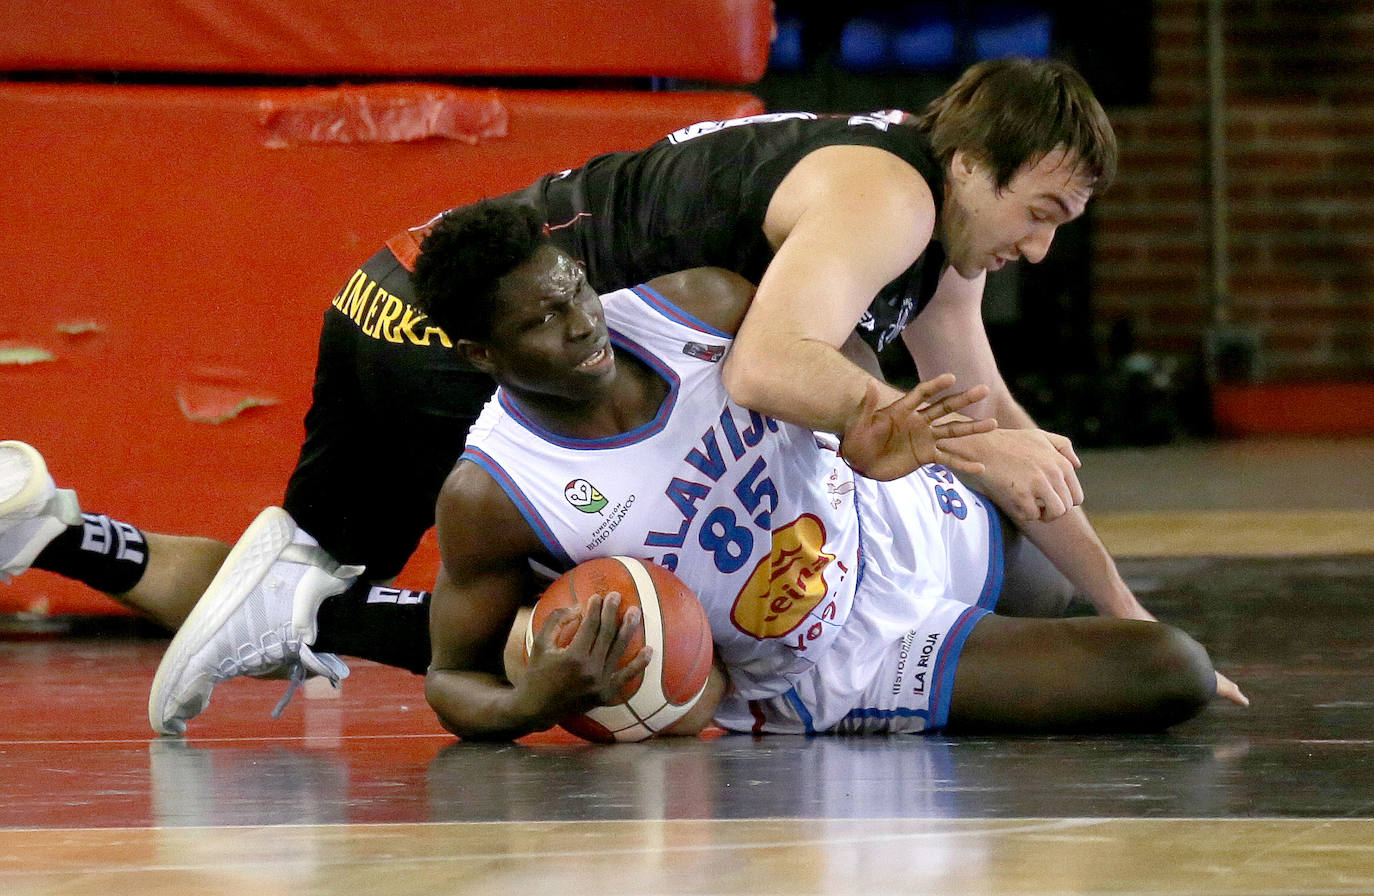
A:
(932, 567)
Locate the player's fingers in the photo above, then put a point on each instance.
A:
(957, 428)
(1064, 446)
(1075, 488)
(591, 624)
(1065, 483)
(608, 627)
(924, 393)
(1227, 690)
(630, 624)
(958, 463)
(927, 390)
(552, 629)
(956, 402)
(1022, 504)
(909, 407)
(631, 670)
(1051, 500)
(953, 455)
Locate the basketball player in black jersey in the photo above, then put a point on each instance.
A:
(883, 222)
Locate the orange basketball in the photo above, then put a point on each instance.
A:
(675, 626)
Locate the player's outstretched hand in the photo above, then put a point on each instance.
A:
(892, 441)
(575, 659)
(1227, 690)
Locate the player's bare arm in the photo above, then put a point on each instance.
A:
(948, 336)
(886, 438)
(1029, 472)
(721, 298)
(845, 221)
(484, 578)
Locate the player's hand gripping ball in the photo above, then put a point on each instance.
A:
(675, 626)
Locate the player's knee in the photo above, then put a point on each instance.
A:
(1181, 673)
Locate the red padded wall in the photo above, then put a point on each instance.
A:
(169, 257)
(713, 40)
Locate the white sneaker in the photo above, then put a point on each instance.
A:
(256, 618)
(33, 510)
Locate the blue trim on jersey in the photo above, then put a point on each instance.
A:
(655, 300)
(638, 434)
(804, 714)
(860, 557)
(992, 585)
(503, 479)
(946, 661)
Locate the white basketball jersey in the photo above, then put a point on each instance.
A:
(745, 509)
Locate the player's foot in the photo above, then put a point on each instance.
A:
(256, 618)
(33, 510)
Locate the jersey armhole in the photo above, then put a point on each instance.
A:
(541, 529)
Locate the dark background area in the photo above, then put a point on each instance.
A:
(1072, 376)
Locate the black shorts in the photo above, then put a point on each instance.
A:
(390, 411)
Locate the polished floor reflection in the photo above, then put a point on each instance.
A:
(360, 790)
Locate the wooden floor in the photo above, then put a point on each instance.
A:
(1262, 550)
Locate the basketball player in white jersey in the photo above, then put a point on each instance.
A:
(836, 602)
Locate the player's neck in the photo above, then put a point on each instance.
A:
(632, 400)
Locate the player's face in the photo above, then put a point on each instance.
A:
(550, 336)
(983, 228)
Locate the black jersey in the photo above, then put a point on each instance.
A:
(392, 401)
(698, 197)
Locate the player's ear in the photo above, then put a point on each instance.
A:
(476, 354)
(962, 165)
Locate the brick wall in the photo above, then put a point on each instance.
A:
(1300, 162)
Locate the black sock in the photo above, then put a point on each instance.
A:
(106, 554)
(385, 625)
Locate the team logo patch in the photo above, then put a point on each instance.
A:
(787, 584)
(584, 496)
(712, 353)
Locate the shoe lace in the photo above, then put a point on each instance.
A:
(307, 662)
(295, 679)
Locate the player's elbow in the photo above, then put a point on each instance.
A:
(747, 379)
(451, 711)
(436, 696)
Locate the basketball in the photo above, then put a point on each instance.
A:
(675, 626)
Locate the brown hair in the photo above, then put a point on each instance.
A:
(1008, 113)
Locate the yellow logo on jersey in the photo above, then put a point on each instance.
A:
(383, 316)
(787, 584)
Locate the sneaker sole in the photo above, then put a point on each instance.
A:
(248, 562)
(39, 503)
(34, 486)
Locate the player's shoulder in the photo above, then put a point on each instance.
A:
(475, 511)
(855, 168)
(715, 296)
